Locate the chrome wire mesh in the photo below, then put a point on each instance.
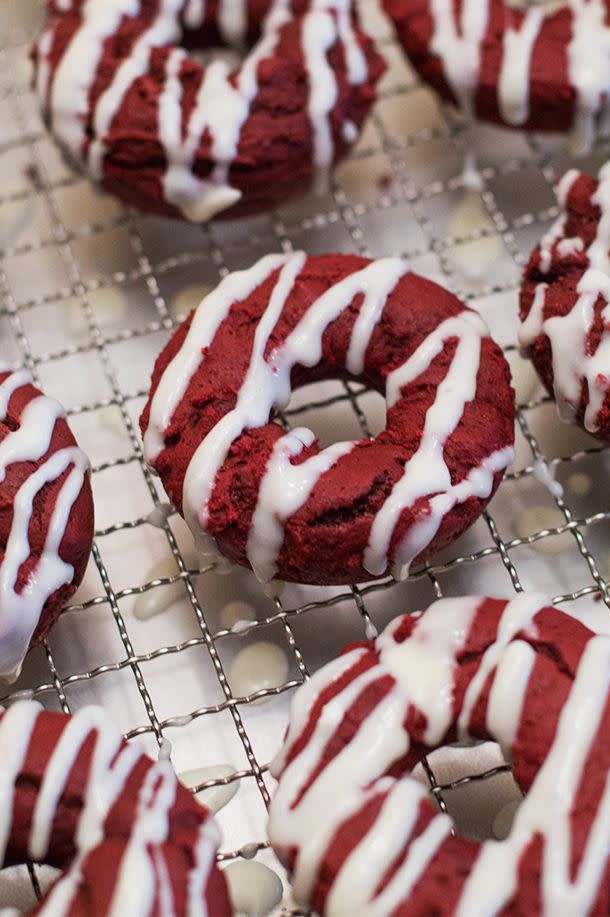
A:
(396, 194)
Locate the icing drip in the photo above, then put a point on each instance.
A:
(286, 486)
(20, 610)
(423, 667)
(546, 476)
(568, 333)
(223, 100)
(143, 871)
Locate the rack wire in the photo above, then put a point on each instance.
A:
(395, 194)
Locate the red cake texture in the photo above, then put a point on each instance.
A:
(128, 837)
(173, 137)
(337, 532)
(538, 69)
(40, 466)
(564, 303)
(527, 676)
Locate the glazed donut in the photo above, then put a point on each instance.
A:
(564, 309)
(128, 837)
(544, 68)
(527, 676)
(174, 137)
(46, 516)
(277, 501)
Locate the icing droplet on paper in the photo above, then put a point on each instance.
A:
(188, 298)
(159, 515)
(235, 615)
(215, 797)
(503, 821)
(534, 519)
(159, 598)
(259, 665)
(473, 259)
(580, 484)
(254, 888)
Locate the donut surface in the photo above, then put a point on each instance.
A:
(564, 309)
(178, 138)
(353, 511)
(524, 675)
(545, 68)
(128, 837)
(46, 516)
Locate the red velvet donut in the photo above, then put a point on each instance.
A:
(353, 511)
(128, 837)
(46, 516)
(361, 836)
(544, 68)
(177, 138)
(565, 312)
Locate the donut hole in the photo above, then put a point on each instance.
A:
(336, 411)
(206, 56)
(202, 26)
(478, 787)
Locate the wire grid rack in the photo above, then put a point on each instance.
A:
(89, 291)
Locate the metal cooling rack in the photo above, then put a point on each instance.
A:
(70, 262)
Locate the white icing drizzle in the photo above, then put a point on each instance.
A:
(517, 617)
(589, 68)
(426, 471)
(547, 807)
(221, 107)
(285, 487)
(353, 776)
(459, 45)
(208, 317)
(555, 233)
(459, 48)
(142, 873)
(20, 611)
(568, 333)
(17, 726)
(513, 86)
